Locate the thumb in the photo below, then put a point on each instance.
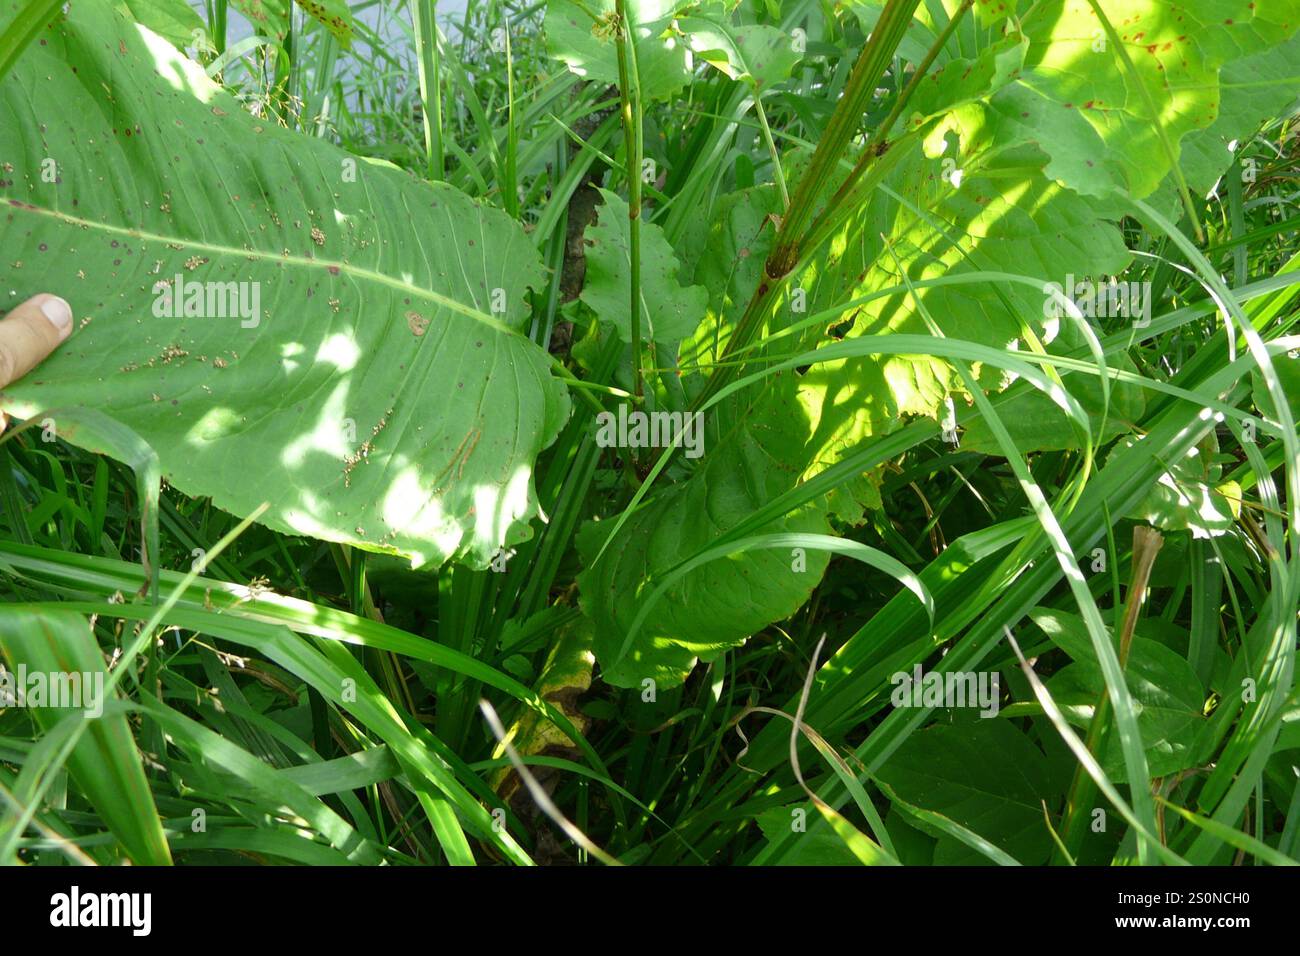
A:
(31, 332)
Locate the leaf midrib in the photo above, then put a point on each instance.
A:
(368, 275)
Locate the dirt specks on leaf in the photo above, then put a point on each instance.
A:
(171, 353)
(363, 452)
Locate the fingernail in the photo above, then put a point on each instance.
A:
(59, 313)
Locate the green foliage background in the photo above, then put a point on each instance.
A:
(319, 554)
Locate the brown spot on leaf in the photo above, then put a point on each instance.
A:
(417, 323)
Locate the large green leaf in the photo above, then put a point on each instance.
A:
(1198, 75)
(588, 46)
(758, 54)
(271, 17)
(1170, 86)
(334, 15)
(1190, 497)
(1253, 89)
(382, 393)
(752, 452)
(171, 19)
(814, 848)
(755, 447)
(1288, 373)
(1036, 424)
(984, 775)
(979, 247)
(1169, 697)
(670, 311)
(667, 35)
(959, 80)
